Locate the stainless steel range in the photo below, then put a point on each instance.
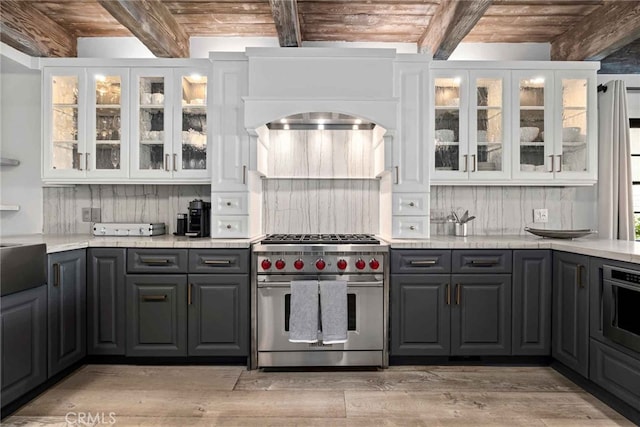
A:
(359, 259)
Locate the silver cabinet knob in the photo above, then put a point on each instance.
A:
(412, 204)
(228, 226)
(411, 227)
(228, 203)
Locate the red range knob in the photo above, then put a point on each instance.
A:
(298, 264)
(280, 264)
(342, 264)
(320, 264)
(374, 264)
(266, 264)
(360, 264)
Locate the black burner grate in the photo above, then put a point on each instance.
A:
(342, 239)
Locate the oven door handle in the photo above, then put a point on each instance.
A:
(349, 284)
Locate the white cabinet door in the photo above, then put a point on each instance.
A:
(576, 126)
(533, 136)
(189, 158)
(489, 125)
(64, 121)
(107, 153)
(151, 123)
(229, 138)
(449, 118)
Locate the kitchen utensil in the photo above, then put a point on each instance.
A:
(464, 217)
(460, 229)
(471, 218)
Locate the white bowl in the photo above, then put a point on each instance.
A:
(482, 136)
(444, 135)
(528, 134)
(571, 134)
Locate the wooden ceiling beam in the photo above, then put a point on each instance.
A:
(451, 22)
(153, 24)
(285, 16)
(605, 30)
(28, 30)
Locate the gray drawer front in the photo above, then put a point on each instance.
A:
(420, 261)
(616, 372)
(481, 261)
(157, 260)
(228, 261)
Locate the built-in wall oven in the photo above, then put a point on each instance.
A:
(361, 265)
(621, 300)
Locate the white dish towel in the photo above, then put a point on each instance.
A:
(303, 314)
(333, 311)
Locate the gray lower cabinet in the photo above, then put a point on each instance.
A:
(156, 315)
(67, 309)
(218, 315)
(420, 314)
(570, 341)
(531, 303)
(616, 372)
(481, 314)
(106, 301)
(23, 322)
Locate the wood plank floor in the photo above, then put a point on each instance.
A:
(398, 396)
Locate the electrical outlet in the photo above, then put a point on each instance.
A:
(541, 215)
(90, 214)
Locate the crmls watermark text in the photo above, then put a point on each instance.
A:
(90, 418)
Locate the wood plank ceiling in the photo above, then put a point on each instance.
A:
(436, 26)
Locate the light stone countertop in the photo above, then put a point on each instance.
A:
(620, 250)
(61, 243)
(612, 249)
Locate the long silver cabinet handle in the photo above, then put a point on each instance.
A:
(175, 162)
(217, 261)
(152, 261)
(424, 262)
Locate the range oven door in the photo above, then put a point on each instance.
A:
(621, 299)
(365, 316)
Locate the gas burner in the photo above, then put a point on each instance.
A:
(324, 239)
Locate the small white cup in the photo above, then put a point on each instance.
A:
(145, 98)
(158, 98)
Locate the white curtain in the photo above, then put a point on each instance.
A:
(615, 201)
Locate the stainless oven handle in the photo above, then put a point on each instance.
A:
(288, 284)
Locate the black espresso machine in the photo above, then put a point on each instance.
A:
(199, 219)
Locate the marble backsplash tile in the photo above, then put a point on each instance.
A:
(321, 206)
(118, 203)
(507, 210)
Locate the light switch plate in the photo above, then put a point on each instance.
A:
(91, 215)
(541, 215)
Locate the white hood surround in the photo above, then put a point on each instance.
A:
(376, 85)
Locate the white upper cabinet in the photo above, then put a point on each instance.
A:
(229, 138)
(470, 125)
(514, 126)
(532, 133)
(107, 153)
(125, 124)
(64, 107)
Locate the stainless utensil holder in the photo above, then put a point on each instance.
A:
(460, 229)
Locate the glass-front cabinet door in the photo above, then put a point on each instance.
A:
(450, 121)
(64, 126)
(108, 122)
(576, 147)
(488, 125)
(532, 133)
(151, 123)
(189, 158)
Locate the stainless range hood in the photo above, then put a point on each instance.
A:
(320, 121)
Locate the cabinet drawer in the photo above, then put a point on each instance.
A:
(481, 261)
(219, 260)
(616, 372)
(420, 261)
(410, 227)
(231, 226)
(229, 204)
(411, 204)
(157, 260)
